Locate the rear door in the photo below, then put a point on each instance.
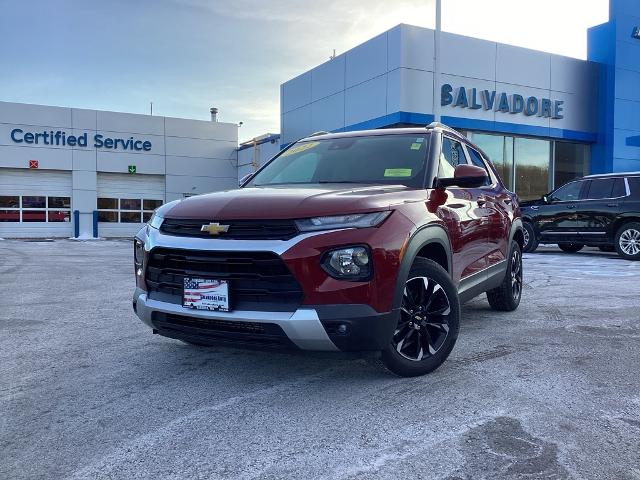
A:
(602, 203)
(465, 215)
(557, 220)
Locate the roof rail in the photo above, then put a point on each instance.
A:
(442, 126)
(320, 132)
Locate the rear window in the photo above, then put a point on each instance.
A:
(379, 159)
(606, 188)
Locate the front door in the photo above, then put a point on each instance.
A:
(556, 220)
(466, 216)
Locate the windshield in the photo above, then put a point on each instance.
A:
(379, 159)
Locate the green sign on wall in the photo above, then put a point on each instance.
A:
(132, 169)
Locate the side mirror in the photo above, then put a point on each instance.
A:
(245, 179)
(464, 175)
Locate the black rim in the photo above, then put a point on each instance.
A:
(516, 274)
(424, 319)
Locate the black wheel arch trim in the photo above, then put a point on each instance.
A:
(424, 236)
(516, 225)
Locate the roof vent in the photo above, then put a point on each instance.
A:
(214, 114)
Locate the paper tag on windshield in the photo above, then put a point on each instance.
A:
(397, 172)
(416, 146)
(300, 148)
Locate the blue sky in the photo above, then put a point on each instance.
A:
(188, 55)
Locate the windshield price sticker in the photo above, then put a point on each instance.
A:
(397, 172)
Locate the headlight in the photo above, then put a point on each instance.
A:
(156, 220)
(358, 220)
(138, 252)
(348, 263)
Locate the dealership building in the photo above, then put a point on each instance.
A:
(543, 120)
(68, 172)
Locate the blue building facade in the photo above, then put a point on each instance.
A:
(615, 46)
(542, 118)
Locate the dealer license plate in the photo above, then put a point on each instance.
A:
(206, 294)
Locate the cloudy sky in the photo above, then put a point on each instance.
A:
(188, 55)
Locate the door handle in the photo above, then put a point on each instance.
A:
(571, 206)
(613, 204)
(481, 202)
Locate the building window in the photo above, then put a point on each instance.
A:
(31, 208)
(571, 161)
(126, 210)
(528, 166)
(499, 149)
(532, 158)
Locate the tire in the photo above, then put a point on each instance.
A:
(570, 247)
(628, 241)
(607, 248)
(506, 297)
(530, 239)
(428, 324)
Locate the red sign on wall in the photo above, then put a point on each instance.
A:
(33, 163)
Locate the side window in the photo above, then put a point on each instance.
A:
(619, 188)
(600, 188)
(567, 193)
(477, 160)
(451, 156)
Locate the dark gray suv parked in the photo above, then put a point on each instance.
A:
(598, 210)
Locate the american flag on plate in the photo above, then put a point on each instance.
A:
(206, 294)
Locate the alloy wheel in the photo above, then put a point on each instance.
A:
(424, 319)
(630, 241)
(516, 274)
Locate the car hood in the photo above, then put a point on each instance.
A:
(290, 203)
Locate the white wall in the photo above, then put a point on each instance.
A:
(194, 156)
(393, 72)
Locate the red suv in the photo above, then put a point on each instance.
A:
(365, 240)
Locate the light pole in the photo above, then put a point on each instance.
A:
(436, 62)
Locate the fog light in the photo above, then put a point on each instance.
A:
(342, 329)
(351, 263)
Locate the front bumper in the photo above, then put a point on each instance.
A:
(302, 327)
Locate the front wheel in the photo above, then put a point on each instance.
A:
(628, 241)
(570, 247)
(506, 297)
(428, 324)
(530, 240)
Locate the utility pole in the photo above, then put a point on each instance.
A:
(436, 62)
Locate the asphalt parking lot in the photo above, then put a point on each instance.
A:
(86, 391)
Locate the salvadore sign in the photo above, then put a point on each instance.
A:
(500, 102)
(61, 139)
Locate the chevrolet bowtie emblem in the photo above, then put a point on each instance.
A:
(215, 228)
